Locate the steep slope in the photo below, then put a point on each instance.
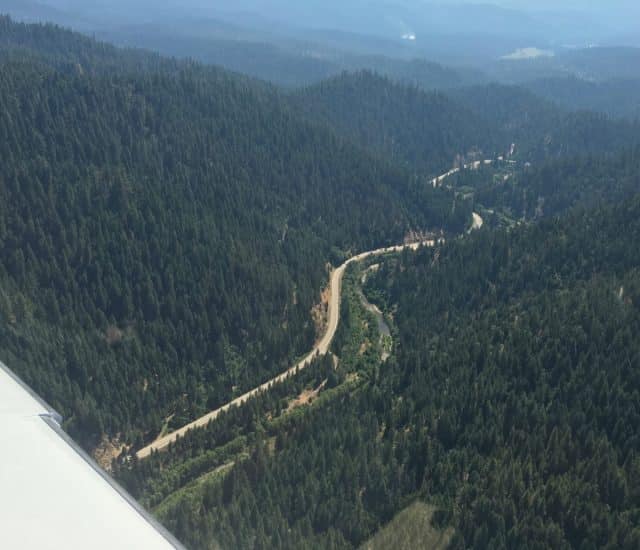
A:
(424, 131)
(282, 61)
(164, 234)
(518, 355)
(427, 132)
(510, 401)
(64, 49)
(541, 129)
(617, 98)
(554, 187)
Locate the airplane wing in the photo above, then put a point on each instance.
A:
(52, 494)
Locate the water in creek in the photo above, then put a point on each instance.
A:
(383, 328)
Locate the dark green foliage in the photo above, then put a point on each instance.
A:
(556, 186)
(614, 97)
(164, 234)
(522, 342)
(513, 400)
(70, 51)
(183, 473)
(424, 131)
(540, 129)
(430, 132)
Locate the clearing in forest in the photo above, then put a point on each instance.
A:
(410, 529)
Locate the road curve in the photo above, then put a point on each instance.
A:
(321, 348)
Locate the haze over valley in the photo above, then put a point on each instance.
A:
(327, 274)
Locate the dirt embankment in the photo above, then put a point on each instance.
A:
(306, 397)
(320, 313)
(107, 451)
(321, 348)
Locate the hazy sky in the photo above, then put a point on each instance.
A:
(578, 5)
(616, 15)
(615, 10)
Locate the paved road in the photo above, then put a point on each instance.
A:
(475, 165)
(321, 348)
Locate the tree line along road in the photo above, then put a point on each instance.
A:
(321, 348)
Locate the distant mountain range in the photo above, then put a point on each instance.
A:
(167, 228)
(455, 32)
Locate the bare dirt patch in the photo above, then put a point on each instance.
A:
(320, 348)
(108, 450)
(421, 236)
(305, 398)
(113, 335)
(319, 313)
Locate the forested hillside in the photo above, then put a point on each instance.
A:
(167, 228)
(542, 130)
(519, 354)
(555, 186)
(595, 65)
(511, 401)
(605, 63)
(618, 98)
(285, 62)
(70, 51)
(424, 131)
(428, 131)
(164, 233)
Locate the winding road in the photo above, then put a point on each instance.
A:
(321, 348)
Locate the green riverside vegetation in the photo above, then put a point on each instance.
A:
(511, 403)
(164, 233)
(166, 229)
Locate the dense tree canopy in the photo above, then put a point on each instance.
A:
(553, 187)
(618, 97)
(164, 233)
(425, 131)
(429, 131)
(165, 230)
(542, 130)
(511, 400)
